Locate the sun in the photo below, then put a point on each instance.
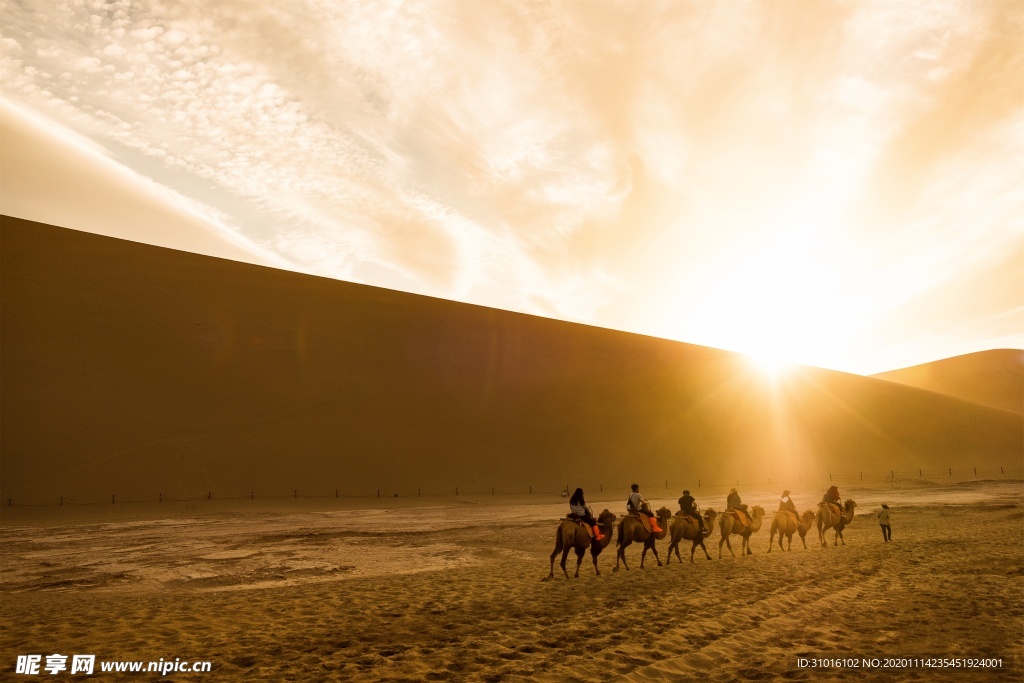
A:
(769, 364)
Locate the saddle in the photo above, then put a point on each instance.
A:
(832, 507)
(692, 521)
(792, 515)
(741, 516)
(644, 519)
(580, 523)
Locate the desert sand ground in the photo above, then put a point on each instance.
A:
(454, 592)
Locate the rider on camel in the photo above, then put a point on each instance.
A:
(687, 504)
(578, 509)
(832, 498)
(636, 505)
(734, 503)
(786, 503)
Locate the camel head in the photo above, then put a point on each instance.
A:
(664, 515)
(849, 505)
(709, 516)
(606, 518)
(757, 512)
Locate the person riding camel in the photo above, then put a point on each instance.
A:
(578, 509)
(687, 504)
(734, 503)
(636, 505)
(786, 503)
(831, 497)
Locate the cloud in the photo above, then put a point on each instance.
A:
(602, 162)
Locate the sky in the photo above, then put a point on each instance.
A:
(838, 184)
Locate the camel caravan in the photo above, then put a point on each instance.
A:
(580, 531)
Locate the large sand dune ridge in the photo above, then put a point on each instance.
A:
(135, 370)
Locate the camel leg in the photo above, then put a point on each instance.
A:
(565, 555)
(580, 552)
(554, 554)
(594, 556)
(674, 544)
(746, 542)
(654, 549)
(771, 538)
(702, 547)
(620, 554)
(725, 540)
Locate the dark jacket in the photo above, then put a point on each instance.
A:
(686, 504)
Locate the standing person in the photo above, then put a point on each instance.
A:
(883, 521)
(636, 504)
(579, 509)
(689, 507)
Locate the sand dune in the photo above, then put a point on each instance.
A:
(993, 378)
(136, 371)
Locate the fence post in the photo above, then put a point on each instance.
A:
(297, 493)
(111, 498)
(62, 500)
(335, 493)
(602, 488)
(975, 471)
(531, 490)
(209, 495)
(492, 490)
(920, 473)
(417, 493)
(378, 493)
(951, 471)
(456, 490)
(252, 495)
(862, 476)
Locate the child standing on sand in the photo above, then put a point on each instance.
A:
(883, 521)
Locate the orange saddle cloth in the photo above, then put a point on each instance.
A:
(645, 520)
(580, 523)
(740, 515)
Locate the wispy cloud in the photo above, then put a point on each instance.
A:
(690, 169)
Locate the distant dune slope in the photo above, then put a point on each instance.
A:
(993, 378)
(129, 369)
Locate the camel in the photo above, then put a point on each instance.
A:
(784, 524)
(729, 523)
(827, 519)
(631, 529)
(571, 536)
(684, 527)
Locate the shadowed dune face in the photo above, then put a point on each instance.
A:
(132, 369)
(993, 378)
